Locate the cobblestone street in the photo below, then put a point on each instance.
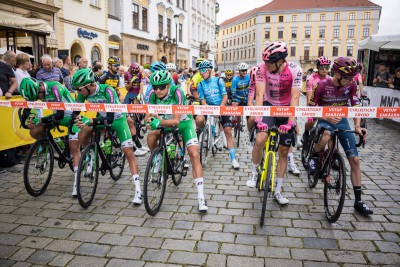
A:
(53, 230)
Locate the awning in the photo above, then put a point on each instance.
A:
(4, 49)
(376, 42)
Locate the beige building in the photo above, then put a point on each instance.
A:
(309, 28)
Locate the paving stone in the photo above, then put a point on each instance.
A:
(365, 235)
(216, 260)
(288, 242)
(388, 246)
(345, 256)
(219, 237)
(10, 239)
(22, 254)
(85, 236)
(234, 249)
(169, 233)
(299, 232)
(61, 259)
(115, 239)
(109, 228)
(91, 249)
(174, 244)
(7, 251)
(63, 245)
(321, 243)
(147, 242)
(282, 263)
(306, 254)
(42, 256)
(238, 228)
(207, 247)
(383, 258)
(159, 255)
(183, 225)
(244, 261)
(182, 257)
(318, 264)
(7, 263)
(356, 245)
(139, 231)
(86, 261)
(125, 263)
(193, 235)
(56, 233)
(205, 226)
(272, 252)
(35, 242)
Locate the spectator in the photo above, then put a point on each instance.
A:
(381, 77)
(66, 64)
(57, 63)
(48, 72)
(83, 63)
(10, 58)
(8, 82)
(96, 62)
(121, 75)
(68, 79)
(98, 71)
(164, 59)
(24, 65)
(396, 80)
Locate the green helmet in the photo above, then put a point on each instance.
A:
(29, 88)
(161, 77)
(83, 77)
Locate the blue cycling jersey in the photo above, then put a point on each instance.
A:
(240, 88)
(148, 90)
(212, 90)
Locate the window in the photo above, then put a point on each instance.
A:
(322, 17)
(308, 33)
(292, 51)
(169, 28)
(335, 51)
(306, 53)
(144, 19)
(351, 33)
(294, 18)
(95, 3)
(266, 34)
(135, 16)
(308, 17)
(180, 27)
(160, 25)
(267, 19)
(336, 33)
(294, 34)
(280, 18)
(352, 16)
(337, 17)
(349, 51)
(367, 15)
(322, 33)
(280, 34)
(320, 51)
(366, 32)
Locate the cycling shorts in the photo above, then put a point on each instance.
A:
(188, 133)
(120, 126)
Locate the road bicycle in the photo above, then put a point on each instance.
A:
(138, 119)
(210, 139)
(238, 126)
(332, 171)
(39, 164)
(364, 102)
(104, 146)
(309, 140)
(168, 159)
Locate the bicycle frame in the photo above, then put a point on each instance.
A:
(164, 142)
(61, 157)
(213, 121)
(98, 150)
(269, 149)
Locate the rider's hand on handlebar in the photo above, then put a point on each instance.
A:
(285, 128)
(334, 120)
(260, 124)
(361, 131)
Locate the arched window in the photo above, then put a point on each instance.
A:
(95, 54)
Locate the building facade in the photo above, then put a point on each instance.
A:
(309, 28)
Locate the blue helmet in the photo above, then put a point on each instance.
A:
(205, 65)
(158, 65)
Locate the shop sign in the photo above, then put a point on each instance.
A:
(113, 45)
(85, 34)
(142, 47)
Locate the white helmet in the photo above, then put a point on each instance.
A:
(170, 66)
(242, 66)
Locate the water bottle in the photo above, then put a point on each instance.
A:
(101, 145)
(171, 150)
(60, 143)
(107, 147)
(212, 130)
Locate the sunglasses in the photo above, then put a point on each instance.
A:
(116, 65)
(228, 75)
(270, 62)
(203, 71)
(159, 87)
(349, 78)
(324, 67)
(79, 89)
(243, 70)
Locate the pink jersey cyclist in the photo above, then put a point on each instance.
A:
(325, 93)
(312, 80)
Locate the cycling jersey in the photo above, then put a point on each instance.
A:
(240, 88)
(196, 79)
(325, 93)
(228, 85)
(135, 79)
(312, 80)
(212, 90)
(278, 86)
(150, 88)
(110, 79)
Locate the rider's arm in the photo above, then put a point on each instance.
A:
(222, 91)
(233, 87)
(201, 94)
(360, 85)
(128, 81)
(172, 122)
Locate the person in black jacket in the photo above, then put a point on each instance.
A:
(396, 80)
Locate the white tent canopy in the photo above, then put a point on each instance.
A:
(4, 49)
(383, 41)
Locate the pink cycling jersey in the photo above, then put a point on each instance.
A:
(325, 93)
(135, 79)
(312, 80)
(278, 86)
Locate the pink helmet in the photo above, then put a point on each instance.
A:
(323, 61)
(275, 51)
(253, 74)
(345, 66)
(134, 67)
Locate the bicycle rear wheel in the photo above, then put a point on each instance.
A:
(117, 160)
(363, 123)
(87, 176)
(38, 167)
(205, 136)
(237, 130)
(155, 181)
(335, 188)
(267, 187)
(178, 166)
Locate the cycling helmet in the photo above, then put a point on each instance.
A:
(242, 66)
(205, 65)
(83, 77)
(323, 61)
(158, 65)
(275, 51)
(29, 88)
(161, 77)
(113, 60)
(170, 66)
(198, 61)
(253, 74)
(228, 72)
(135, 67)
(345, 66)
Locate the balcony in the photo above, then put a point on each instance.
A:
(307, 59)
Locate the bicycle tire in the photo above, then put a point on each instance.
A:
(40, 156)
(179, 160)
(305, 152)
(338, 190)
(238, 129)
(152, 185)
(252, 136)
(204, 146)
(267, 186)
(363, 123)
(117, 160)
(87, 175)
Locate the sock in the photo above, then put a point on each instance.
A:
(136, 141)
(75, 175)
(279, 183)
(232, 153)
(357, 193)
(290, 159)
(136, 181)
(200, 187)
(255, 167)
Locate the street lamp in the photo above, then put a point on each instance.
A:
(176, 18)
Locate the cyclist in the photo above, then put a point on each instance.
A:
(212, 92)
(228, 83)
(337, 91)
(51, 91)
(155, 66)
(359, 81)
(280, 81)
(89, 90)
(240, 85)
(111, 78)
(196, 79)
(163, 93)
(323, 66)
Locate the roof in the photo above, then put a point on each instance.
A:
(282, 5)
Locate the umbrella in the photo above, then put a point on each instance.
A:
(4, 49)
(376, 42)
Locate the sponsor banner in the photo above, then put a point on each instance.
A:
(118, 108)
(231, 111)
(308, 112)
(207, 110)
(160, 109)
(55, 105)
(19, 104)
(136, 108)
(383, 97)
(75, 106)
(362, 112)
(335, 112)
(179, 109)
(95, 107)
(5, 103)
(282, 111)
(259, 111)
(388, 112)
(37, 105)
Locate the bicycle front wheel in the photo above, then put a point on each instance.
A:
(87, 176)
(335, 188)
(38, 167)
(155, 181)
(117, 160)
(267, 186)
